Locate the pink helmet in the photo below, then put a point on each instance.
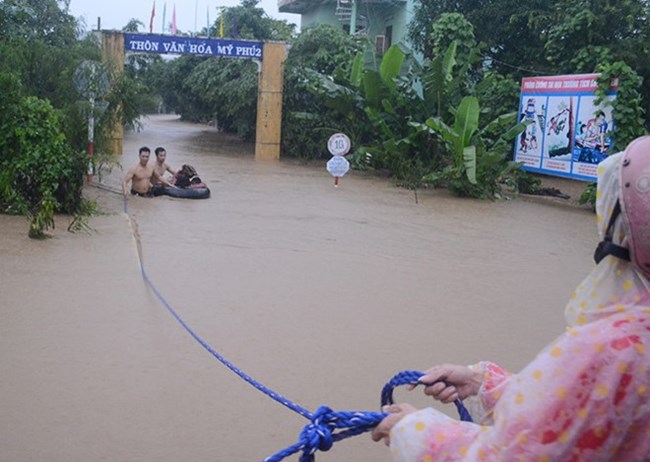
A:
(634, 197)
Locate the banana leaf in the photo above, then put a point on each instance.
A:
(391, 65)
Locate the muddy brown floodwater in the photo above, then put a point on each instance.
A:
(320, 293)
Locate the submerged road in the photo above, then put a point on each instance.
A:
(320, 293)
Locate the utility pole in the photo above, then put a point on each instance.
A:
(353, 18)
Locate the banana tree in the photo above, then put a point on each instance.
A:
(478, 159)
(459, 137)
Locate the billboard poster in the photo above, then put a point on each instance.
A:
(567, 133)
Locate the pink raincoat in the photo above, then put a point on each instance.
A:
(585, 397)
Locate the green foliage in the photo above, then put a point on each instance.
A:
(512, 31)
(479, 162)
(79, 221)
(227, 90)
(459, 138)
(134, 91)
(588, 196)
(450, 148)
(42, 121)
(321, 55)
(39, 173)
(389, 97)
(133, 25)
(142, 75)
(609, 30)
(498, 95)
(252, 23)
(547, 37)
(524, 182)
(325, 49)
(453, 27)
(217, 90)
(37, 21)
(176, 96)
(626, 108)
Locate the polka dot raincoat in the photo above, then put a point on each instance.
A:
(585, 397)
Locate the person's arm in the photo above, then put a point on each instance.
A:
(481, 384)
(127, 178)
(161, 179)
(448, 382)
(170, 169)
(577, 399)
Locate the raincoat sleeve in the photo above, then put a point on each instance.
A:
(495, 381)
(578, 400)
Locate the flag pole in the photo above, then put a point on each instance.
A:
(196, 13)
(164, 14)
(221, 23)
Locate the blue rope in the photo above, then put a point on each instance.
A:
(413, 378)
(321, 434)
(326, 426)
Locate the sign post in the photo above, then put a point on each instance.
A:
(91, 80)
(338, 145)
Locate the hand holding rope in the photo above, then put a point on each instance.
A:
(321, 433)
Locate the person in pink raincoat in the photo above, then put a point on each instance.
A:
(586, 396)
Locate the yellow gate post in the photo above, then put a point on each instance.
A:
(113, 57)
(269, 102)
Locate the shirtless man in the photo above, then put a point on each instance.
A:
(141, 176)
(160, 167)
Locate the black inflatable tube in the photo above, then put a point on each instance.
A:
(183, 193)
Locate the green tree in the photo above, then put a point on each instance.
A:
(43, 132)
(512, 31)
(588, 34)
(45, 21)
(455, 147)
(546, 37)
(307, 120)
(248, 21)
(133, 25)
(220, 89)
(39, 172)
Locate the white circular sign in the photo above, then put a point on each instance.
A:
(338, 144)
(338, 166)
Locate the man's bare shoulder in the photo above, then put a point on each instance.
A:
(131, 170)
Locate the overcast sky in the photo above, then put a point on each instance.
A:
(191, 15)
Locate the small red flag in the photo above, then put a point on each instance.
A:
(174, 20)
(153, 14)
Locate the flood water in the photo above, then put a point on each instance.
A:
(320, 293)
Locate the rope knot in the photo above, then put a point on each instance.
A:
(317, 435)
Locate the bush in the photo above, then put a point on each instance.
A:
(39, 173)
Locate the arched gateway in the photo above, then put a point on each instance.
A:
(269, 55)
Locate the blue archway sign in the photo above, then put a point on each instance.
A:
(179, 45)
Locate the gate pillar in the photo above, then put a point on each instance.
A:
(269, 102)
(113, 57)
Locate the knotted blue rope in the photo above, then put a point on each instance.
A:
(326, 426)
(320, 433)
